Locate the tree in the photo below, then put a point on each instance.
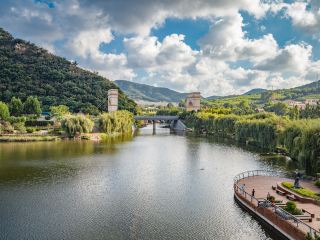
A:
(59, 111)
(4, 111)
(170, 105)
(32, 106)
(279, 108)
(16, 106)
(78, 124)
(294, 113)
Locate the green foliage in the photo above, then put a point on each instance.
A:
(302, 191)
(301, 138)
(279, 108)
(291, 207)
(19, 126)
(4, 111)
(35, 123)
(76, 124)
(90, 109)
(6, 127)
(27, 70)
(116, 122)
(271, 198)
(59, 111)
(317, 183)
(31, 129)
(32, 106)
(15, 106)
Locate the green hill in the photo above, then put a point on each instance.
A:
(145, 92)
(255, 91)
(311, 90)
(26, 70)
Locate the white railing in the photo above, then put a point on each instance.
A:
(266, 203)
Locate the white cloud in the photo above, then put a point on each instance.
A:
(226, 40)
(81, 26)
(293, 58)
(87, 42)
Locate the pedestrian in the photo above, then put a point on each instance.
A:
(243, 188)
(268, 196)
(253, 191)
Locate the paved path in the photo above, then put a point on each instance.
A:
(262, 185)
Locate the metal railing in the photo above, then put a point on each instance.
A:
(262, 202)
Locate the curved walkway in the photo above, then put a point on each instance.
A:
(263, 186)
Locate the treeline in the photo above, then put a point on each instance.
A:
(300, 139)
(23, 117)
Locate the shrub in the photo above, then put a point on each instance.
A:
(317, 183)
(271, 198)
(30, 129)
(7, 127)
(19, 126)
(302, 191)
(291, 207)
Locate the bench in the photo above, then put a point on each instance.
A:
(280, 204)
(304, 217)
(280, 192)
(292, 197)
(305, 211)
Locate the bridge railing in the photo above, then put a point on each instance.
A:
(266, 203)
(157, 118)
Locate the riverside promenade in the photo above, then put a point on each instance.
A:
(271, 215)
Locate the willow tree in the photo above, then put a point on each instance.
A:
(76, 124)
(116, 122)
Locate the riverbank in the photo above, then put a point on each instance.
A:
(50, 137)
(298, 139)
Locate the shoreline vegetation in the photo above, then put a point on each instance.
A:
(298, 139)
(25, 122)
(291, 132)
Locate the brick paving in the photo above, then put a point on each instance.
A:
(263, 185)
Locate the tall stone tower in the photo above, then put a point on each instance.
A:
(193, 101)
(113, 100)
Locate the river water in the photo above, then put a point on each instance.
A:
(159, 186)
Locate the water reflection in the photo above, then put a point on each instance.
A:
(153, 187)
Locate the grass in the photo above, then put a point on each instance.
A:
(302, 191)
(21, 138)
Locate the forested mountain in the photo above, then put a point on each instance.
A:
(145, 92)
(28, 70)
(261, 96)
(255, 91)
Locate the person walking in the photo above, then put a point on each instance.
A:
(253, 192)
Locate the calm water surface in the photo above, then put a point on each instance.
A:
(150, 187)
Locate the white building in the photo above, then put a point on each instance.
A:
(113, 100)
(312, 102)
(293, 103)
(193, 101)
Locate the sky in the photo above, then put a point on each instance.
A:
(217, 47)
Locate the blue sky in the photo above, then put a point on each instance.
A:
(216, 47)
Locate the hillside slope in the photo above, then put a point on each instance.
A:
(145, 92)
(26, 70)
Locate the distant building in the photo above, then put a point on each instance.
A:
(293, 103)
(193, 101)
(312, 102)
(113, 100)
